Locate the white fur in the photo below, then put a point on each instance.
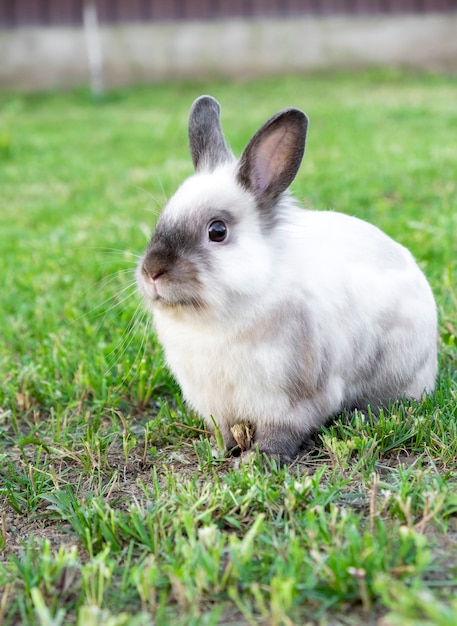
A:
(323, 259)
(358, 288)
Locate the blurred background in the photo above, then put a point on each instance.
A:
(48, 44)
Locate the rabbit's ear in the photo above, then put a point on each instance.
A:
(271, 159)
(207, 144)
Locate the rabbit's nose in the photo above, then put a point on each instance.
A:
(158, 275)
(152, 270)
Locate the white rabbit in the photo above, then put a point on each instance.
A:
(274, 315)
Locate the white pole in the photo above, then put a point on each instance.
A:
(94, 47)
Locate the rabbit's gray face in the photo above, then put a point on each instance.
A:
(214, 245)
(171, 268)
(181, 263)
(208, 250)
(169, 271)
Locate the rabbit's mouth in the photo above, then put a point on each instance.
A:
(154, 291)
(162, 290)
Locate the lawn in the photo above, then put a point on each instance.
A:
(113, 509)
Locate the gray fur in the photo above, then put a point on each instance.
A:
(206, 139)
(177, 253)
(280, 442)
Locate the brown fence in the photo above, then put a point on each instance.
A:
(17, 13)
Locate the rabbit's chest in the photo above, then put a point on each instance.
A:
(225, 376)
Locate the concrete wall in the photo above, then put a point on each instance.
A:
(38, 58)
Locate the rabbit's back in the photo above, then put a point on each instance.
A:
(373, 305)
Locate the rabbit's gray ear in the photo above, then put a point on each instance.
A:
(271, 159)
(207, 144)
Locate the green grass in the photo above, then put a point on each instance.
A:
(113, 511)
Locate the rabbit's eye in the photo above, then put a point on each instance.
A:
(217, 231)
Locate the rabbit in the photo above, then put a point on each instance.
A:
(273, 315)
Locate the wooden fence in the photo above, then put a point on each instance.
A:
(19, 13)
